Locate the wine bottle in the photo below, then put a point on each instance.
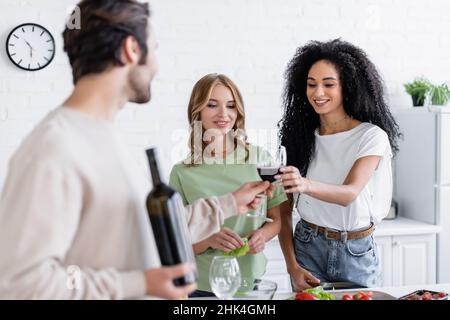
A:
(167, 217)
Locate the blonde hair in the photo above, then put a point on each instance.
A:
(201, 93)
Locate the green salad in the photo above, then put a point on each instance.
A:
(238, 252)
(320, 293)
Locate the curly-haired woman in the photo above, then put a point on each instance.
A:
(340, 137)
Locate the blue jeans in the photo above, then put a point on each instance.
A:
(337, 260)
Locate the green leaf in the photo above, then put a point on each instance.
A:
(238, 252)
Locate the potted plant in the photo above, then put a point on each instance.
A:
(440, 94)
(418, 90)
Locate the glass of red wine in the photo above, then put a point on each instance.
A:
(269, 164)
(270, 160)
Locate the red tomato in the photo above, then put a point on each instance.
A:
(441, 294)
(305, 296)
(365, 298)
(347, 297)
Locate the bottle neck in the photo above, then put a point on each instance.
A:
(153, 161)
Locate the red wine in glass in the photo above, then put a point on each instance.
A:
(268, 173)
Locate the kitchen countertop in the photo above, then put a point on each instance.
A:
(396, 292)
(396, 227)
(404, 226)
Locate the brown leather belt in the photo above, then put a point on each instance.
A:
(337, 235)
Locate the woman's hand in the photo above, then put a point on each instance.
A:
(225, 240)
(256, 241)
(292, 180)
(302, 279)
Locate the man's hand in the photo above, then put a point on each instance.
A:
(303, 279)
(160, 281)
(245, 196)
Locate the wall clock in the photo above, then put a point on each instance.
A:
(30, 46)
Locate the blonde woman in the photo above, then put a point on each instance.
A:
(221, 160)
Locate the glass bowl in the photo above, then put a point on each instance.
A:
(256, 289)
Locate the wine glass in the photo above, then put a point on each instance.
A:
(272, 158)
(224, 276)
(269, 163)
(261, 210)
(281, 156)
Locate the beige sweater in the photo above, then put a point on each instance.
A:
(73, 223)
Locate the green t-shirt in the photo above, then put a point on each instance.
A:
(207, 180)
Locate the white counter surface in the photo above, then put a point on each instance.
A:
(396, 292)
(397, 227)
(404, 226)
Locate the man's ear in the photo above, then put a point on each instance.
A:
(131, 52)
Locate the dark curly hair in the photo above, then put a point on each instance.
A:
(362, 90)
(105, 24)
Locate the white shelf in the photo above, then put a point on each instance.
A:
(433, 109)
(404, 226)
(439, 109)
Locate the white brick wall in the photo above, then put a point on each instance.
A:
(249, 40)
